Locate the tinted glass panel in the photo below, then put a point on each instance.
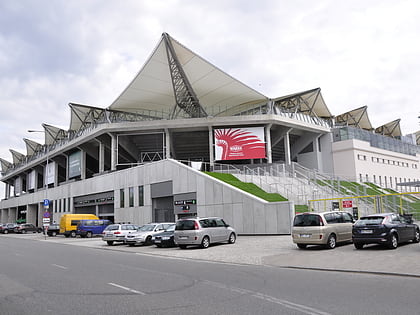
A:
(307, 220)
(185, 225)
(369, 221)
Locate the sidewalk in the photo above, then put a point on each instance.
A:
(278, 251)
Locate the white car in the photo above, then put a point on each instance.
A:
(117, 232)
(143, 236)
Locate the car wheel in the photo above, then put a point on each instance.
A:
(393, 241)
(73, 234)
(182, 246)
(301, 246)
(332, 242)
(416, 236)
(54, 233)
(148, 240)
(205, 243)
(89, 234)
(358, 245)
(5, 232)
(23, 231)
(110, 242)
(232, 238)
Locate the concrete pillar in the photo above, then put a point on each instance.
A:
(101, 157)
(268, 143)
(167, 144)
(211, 148)
(287, 148)
(83, 165)
(114, 152)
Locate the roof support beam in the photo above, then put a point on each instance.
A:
(185, 97)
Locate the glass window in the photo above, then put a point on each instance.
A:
(122, 202)
(131, 196)
(141, 196)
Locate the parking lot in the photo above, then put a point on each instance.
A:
(273, 250)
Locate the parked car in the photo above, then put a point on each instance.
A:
(117, 232)
(7, 228)
(165, 238)
(53, 229)
(27, 227)
(203, 232)
(89, 228)
(143, 236)
(389, 229)
(325, 228)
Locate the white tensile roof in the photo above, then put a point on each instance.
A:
(152, 88)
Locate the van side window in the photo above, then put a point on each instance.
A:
(347, 218)
(204, 223)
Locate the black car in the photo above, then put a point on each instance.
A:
(53, 229)
(27, 227)
(166, 238)
(7, 228)
(389, 229)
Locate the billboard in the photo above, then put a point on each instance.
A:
(50, 173)
(75, 164)
(31, 180)
(239, 143)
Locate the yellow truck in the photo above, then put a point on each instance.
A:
(68, 223)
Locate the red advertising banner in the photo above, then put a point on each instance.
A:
(239, 143)
(347, 203)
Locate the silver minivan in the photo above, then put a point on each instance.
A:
(325, 228)
(203, 232)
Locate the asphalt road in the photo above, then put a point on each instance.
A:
(51, 277)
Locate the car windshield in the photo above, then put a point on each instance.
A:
(185, 225)
(369, 221)
(307, 220)
(170, 228)
(146, 228)
(112, 227)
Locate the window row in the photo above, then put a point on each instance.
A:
(362, 157)
(385, 181)
(140, 193)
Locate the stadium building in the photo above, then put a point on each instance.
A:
(144, 157)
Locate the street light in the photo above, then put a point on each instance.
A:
(45, 184)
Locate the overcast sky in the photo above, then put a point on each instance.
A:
(87, 51)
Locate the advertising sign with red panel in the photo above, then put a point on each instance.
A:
(239, 143)
(347, 203)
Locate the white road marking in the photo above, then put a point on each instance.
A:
(298, 307)
(59, 266)
(127, 289)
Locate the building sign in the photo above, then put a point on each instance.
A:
(75, 164)
(31, 180)
(347, 203)
(239, 143)
(50, 173)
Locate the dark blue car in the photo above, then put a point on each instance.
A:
(89, 228)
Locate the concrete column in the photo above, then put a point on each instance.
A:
(211, 148)
(114, 152)
(167, 144)
(268, 143)
(101, 157)
(83, 165)
(287, 147)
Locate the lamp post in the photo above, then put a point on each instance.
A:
(46, 216)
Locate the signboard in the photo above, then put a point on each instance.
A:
(335, 205)
(31, 180)
(75, 164)
(347, 203)
(50, 173)
(239, 143)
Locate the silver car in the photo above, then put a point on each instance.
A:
(144, 234)
(203, 232)
(117, 232)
